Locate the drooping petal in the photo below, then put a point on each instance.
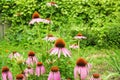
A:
(10, 76)
(64, 52)
(83, 72)
(67, 52)
(51, 76)
(4, 76)
(59, 52)
(53, 51)
(35, 60)
(76, 69)
(57, 76)
(29, 60)
(38, 71)
(42, 69)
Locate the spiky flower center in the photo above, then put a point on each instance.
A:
(81, 62)
(60, 43)
(50, 35)
(39, 64)
(79, 34)
(5, 69)
(35, 15)
(29, 67)
(54, 69)
(14, 52)
(19, 76)
(31, 53)
(68, 78)
(96, 75)
(52, 2)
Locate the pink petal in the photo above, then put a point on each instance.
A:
(57, 76)
(76, 72)
(10, 76)
(42, 69)
(50, 76)
(67, 52)
(59, 52)
(4, 76)
(83, 72)
(38, 71)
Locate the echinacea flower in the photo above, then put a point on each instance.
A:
(81, 69)
(79, 36)
(95, 77)
(60, 47)
(29, 71)
(40, 69)
(74, 46)
(69, 79)
(6, 74)
(54, 74)
(50, 38)
(52, 4)
(14, 54)
(31, 58)
(20, 77)
(36, 18)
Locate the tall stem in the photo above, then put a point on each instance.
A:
(78, 47)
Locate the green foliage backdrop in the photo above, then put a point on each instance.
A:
(97, 20)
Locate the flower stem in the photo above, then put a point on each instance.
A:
(78, 47)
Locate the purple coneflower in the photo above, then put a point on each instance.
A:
(50, 38)
(40, 69)
(36, 18)
(14, 55)
(31, 58)
(81, 69)
(95, 77)
(52, 4)
(54, 74)
(28, 71)
(20, 77)
(6, 74)
(79, 36)
(60, 47)
(74, 46)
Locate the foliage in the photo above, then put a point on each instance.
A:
(94, 19)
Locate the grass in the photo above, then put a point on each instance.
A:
(96, 57)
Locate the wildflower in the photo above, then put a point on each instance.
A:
(52, 4)
(20, 60)
(28, 71)
(6, 51)
(81, 69)
(54, 74)
(20, 77)
(31, 58)
(6, 74)
(60, 47)
(74, 46)
(50, 38)
(95, 77)
(14, 54)
(69, 79)
(40, 69)
(79, 36)
(36, 18)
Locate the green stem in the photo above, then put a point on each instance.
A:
(20, 67)
(78, 47)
